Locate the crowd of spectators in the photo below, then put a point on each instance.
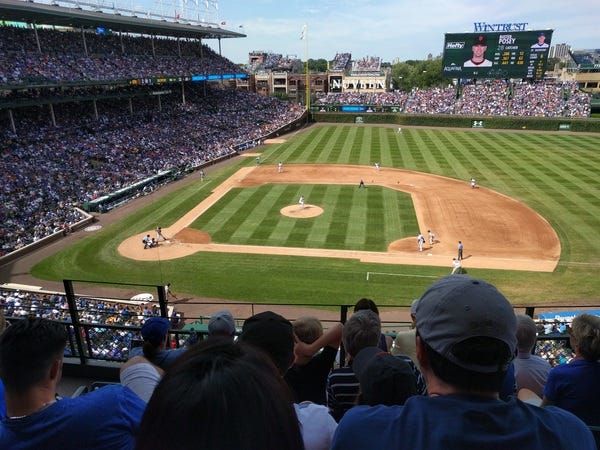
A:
(104, 343)
(116, 150)
(453, 395)
(368, 64)
(68, 57)
(484, 98)
(340, 62)
(115, 343)
(362, 98)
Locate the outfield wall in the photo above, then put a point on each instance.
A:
(442, 120)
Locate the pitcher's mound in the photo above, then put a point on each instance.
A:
(299, 212)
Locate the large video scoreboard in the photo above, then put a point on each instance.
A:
(506, 54)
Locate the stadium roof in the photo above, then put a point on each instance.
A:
(45, 14)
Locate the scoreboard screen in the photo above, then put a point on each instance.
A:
(506, 54)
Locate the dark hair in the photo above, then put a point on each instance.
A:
(479, 350)
(366, 303)
(219, 394)
(27, 350)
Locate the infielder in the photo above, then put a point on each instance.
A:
(472, 183)
(280, 167)
(456, 266)
(420, 241)
(431, 237)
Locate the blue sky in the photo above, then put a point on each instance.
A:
(391, 28)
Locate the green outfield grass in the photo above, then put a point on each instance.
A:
(555, 174)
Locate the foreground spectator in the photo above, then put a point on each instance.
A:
(466, 339)
(404, 343)
(385, 341)
(274, 335)
(576, 386)
(155, 333)
(221, 324)
(531, 371)
(384, 379)
(221, 395)
(362, 330)
(308, 376)
(141, 376)
(31, 358)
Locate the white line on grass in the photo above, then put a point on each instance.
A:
(400, 275)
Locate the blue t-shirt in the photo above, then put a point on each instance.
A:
(163, 359)
(463, 423)
(576, 387)
(107, 418)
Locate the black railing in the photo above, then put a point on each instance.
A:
(104, 329)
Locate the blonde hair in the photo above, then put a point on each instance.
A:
(585, 329)
(308, 329)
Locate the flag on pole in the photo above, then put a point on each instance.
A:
(303, 33)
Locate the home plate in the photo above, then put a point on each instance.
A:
(429, 254)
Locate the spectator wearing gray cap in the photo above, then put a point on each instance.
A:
(466, 340)
(221, 324)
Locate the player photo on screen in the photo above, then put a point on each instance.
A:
(478, 58)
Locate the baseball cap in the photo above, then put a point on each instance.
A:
(458, 307)
(221, 322)
(155, 329)
(480, 39)
(273, 334)
(413, 307)
(384, 378)
(542, 34)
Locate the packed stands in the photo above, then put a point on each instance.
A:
(340, 62)
(484, 98)
(67, 57)
(368, 64)
(110, 135)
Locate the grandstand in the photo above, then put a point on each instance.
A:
(120, 108)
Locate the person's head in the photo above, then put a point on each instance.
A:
(308, 329)
(220, 385)
(31, 350)
(541, 38)
(273, 334)
(222, 324)
(361, 330)
(154, 333)
(479, 46)
(384, 379)
(526, 333)
(366, 303)
(585, 336)
(466, 333)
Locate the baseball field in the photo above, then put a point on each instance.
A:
(530, 227)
